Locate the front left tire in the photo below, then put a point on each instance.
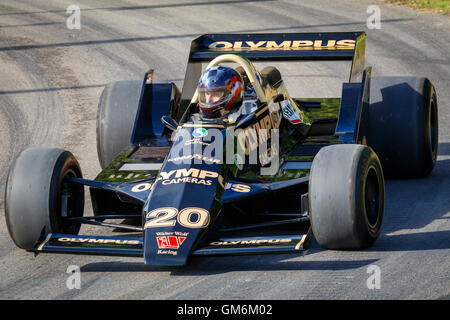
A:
(35, 188)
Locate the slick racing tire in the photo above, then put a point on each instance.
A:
(34, 191)
(115, 118)
(404, 125)
(346, 197)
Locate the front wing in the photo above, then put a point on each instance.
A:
(133, 246)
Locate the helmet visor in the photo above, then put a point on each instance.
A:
(211, 97)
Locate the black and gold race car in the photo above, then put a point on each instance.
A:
(265, 180)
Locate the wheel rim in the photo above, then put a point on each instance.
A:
(372, 197)
(433, 130)
(73, 203)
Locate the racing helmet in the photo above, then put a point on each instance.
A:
(220, 90)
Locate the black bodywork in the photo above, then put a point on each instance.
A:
(208, 206)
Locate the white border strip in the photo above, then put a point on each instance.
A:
(140, 166)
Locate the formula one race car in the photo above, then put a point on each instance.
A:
(264, 180)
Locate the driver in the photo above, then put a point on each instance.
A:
(220, 91)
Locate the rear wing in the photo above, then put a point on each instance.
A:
(277, 47)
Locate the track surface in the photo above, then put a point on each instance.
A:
(50, 81)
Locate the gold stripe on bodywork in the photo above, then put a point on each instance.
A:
(261, 111)
(47, 239)
(299, 244)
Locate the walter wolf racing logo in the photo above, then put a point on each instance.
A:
(170, 242)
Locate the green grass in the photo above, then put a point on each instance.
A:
(433, 6)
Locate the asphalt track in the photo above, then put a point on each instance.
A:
(50, 81)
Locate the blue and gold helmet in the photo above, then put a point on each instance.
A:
(220, 90)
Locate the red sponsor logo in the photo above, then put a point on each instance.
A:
(170, 242)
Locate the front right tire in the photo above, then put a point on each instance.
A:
(346, 197)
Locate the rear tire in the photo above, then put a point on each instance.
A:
(33, 195)
(404, 125)
(346, 197)
(115, 118)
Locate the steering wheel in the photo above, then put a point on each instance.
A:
(248, 68)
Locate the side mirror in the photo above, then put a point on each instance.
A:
(169, 123)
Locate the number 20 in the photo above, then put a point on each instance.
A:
(164, 217)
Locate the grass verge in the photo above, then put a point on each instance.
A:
(429, 6)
